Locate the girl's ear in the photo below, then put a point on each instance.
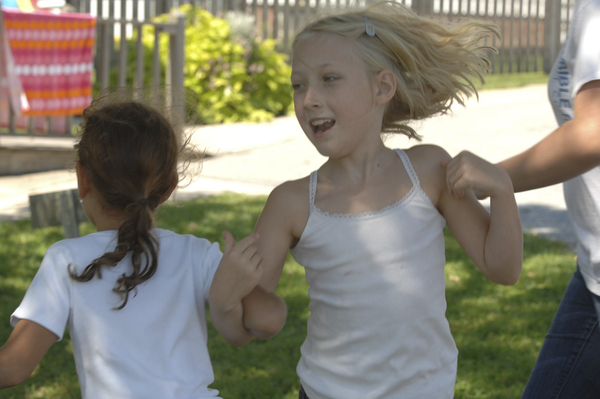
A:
(172, 187)
(83, 181)
(386, 86)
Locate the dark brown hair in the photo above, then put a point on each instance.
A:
(130, 152)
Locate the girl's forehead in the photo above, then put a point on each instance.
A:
(318, 48)
(313, 40)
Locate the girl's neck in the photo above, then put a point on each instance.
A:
(382, 182)
(105, 224)
(100, 216)
(360, 166)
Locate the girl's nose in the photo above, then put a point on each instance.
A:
(312, 99)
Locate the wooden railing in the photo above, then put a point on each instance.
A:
(532, 30)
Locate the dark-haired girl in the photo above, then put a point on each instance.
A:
(132, 295)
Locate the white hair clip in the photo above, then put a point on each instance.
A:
(369, 27)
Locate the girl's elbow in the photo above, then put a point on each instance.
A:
(13, 376)
(266, 317)
(271, 324)
(271, 329)
(510, 280)
(277, 318)
(238, 341)
(510, 276)
(8, 382)
(266, 334)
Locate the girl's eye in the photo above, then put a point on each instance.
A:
(329, 78)
(297, 86)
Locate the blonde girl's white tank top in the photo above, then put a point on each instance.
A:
(377, 326)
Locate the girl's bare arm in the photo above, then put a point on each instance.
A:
(572, 149)
(25, 347)
(279, 226)
(237, 275)
(493, 240)
(264, 313)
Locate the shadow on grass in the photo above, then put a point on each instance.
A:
(21, 251)
(498, 329)
(548, 222)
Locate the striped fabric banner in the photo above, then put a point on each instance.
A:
(53, 57)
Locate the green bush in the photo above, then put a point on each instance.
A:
(235, 78)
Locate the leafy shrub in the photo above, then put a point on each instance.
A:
(235, 77)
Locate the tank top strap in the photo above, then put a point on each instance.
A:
(409, 168)
(312, 188)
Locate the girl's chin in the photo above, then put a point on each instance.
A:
(325, 150)
(319, 135)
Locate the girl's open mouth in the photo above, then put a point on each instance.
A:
(321, 125)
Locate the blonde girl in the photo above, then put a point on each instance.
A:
(368, 224)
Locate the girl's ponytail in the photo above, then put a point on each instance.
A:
(130, 153)
(135, 234)
(135, 238)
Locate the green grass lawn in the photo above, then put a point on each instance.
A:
(498, 330)
(512, 80)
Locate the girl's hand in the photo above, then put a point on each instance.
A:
(467, 171)
(238, 273)
(492, 239)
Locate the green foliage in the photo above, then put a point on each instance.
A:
(498, 330)
(233, 78)
(269, 88)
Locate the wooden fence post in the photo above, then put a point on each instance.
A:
(176, 98)
(552, 43)
(422, 7)
(57, 208)
(68, 214)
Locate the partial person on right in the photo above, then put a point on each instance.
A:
(568, 365)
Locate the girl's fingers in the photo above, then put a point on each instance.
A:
(452, 177)
(242, 245)
(246, 250)
(467, 171)
(229, 241)
(247, 242)
(453, 173)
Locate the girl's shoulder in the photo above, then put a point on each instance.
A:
(171, 239)
(288, 206)
(83, 244)
(426, 159)
(291, 192)
(427, 153)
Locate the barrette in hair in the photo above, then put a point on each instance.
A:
(369, 27)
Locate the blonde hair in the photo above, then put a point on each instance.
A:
(433, 64)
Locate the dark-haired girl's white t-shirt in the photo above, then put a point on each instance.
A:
(155, 347)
